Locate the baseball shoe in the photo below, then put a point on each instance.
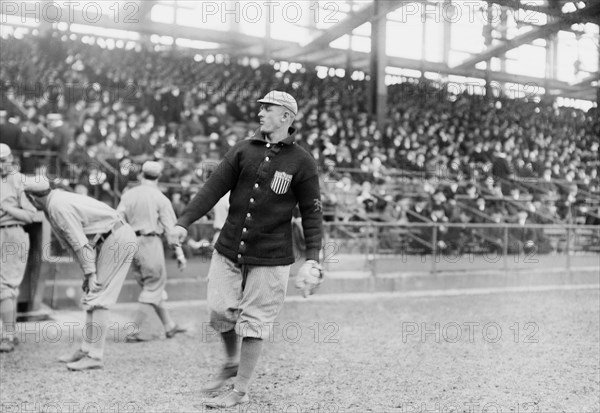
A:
(134, 338)
(6, 346)
(228, 371)
(86, 363)
(175, 330)
(227, 400)
(71, 358)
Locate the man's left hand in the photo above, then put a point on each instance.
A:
(181, 261)
(309, 277)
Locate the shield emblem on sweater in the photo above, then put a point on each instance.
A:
(281, 182)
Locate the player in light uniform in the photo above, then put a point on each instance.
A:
(151, 215)
(15, 211)
(104, 246)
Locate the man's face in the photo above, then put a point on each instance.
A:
(439, 197)
(271, 118)
(6, 166)
(37, 202)
(125, 166)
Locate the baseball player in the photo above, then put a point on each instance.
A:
(268, 175)
(150, 214)
(104, 246)
(15, 211)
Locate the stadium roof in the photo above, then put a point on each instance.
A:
(548, 43)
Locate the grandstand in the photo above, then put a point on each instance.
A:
(490, 109)
(478, 136)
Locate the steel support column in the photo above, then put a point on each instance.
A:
(377, 102)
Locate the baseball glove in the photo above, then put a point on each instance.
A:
(309, 277)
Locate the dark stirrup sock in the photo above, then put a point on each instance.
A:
(230, 340)
(251, 349)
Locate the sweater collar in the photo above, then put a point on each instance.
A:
(290, 140)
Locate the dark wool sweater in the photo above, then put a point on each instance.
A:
(266, 180)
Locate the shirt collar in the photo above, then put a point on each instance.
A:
(258, 136)
(148, 182)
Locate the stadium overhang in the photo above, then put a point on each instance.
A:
(592, 11)
(354, 20)
(319, 52)
(148, 27)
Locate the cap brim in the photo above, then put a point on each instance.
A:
(270, 102)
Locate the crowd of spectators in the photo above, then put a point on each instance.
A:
(439, 157)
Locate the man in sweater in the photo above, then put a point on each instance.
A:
(268, 175)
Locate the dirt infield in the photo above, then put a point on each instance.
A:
(509, 352)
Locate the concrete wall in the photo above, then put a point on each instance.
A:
(354, 274)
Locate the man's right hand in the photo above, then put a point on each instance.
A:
(177, 235)
(86, 285)
(91, 283)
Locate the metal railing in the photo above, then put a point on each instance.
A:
(380, 248)
(439, 247)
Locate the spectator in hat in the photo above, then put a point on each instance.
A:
(419, 211)
(545, 184)
(77, 156)
(60, 137)
(523, 238)
(459, 237)
(440, 243)
(492, 236)
(10, 134)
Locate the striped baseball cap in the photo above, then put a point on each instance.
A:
(279, 98)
